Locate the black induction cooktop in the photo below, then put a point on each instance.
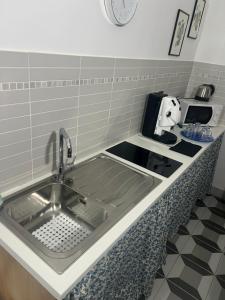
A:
(145, 158)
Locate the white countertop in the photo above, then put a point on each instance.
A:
(60, 285)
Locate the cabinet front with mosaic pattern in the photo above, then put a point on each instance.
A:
(193, 184)
(128, 270)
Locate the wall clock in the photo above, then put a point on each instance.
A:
(120, 12)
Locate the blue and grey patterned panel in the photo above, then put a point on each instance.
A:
(194, 184)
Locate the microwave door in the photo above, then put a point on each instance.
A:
(199, 114)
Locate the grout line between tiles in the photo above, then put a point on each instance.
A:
(111, 91)
(94, 104)
(14, 104)
(59, 68)
(53, 99)
(14, 155)
(53, 122)
(44, 145)
(16, 130)
(68, 108)
(94, 94)
(91, 130)
(101, 144)
(39, 136)
(12, 144)
(19, 117)
(31, 131)
(44, 156)
(15, 166)
(78, 113)
(23, 67)
(16, 178)
(90, 114)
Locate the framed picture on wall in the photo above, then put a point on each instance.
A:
(179, 33)
(196, 19)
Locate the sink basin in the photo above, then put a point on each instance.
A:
(49, 199)
(57, 216)
(61, 221)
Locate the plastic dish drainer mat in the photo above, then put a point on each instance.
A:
(61, 234)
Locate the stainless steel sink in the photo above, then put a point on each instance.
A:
(61, 221)
(47, 200)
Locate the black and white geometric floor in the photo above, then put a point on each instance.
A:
(195, 264)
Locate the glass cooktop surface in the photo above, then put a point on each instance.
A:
(145, 158)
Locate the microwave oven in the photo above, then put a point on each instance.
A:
(199, 112)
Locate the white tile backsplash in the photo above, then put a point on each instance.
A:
(98, 100)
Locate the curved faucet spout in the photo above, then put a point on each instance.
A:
(63, 135)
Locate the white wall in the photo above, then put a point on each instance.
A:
(80, 27)
(219, 178)
(211, 48)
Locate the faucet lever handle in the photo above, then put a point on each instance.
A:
(69, 153)
(70, 164)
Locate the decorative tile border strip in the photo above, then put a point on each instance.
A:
(9, 86)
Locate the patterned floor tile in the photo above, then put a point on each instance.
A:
(220, 213)
(204, 213)
(217, 219)
(221, 200)
(189, 228)
(221, 267)
(210, 201)
(217, 290)
(156, 287)
(191, 278)
(213, 202)
(202, 256)
(200, 203)
(171, 248)
(213, 226)
(193, 216)
(160, 274)
(170, 262)
(177, 243)
(195, 265)
(169, 291)
(172, 256)
(206, 243)
(210, 234)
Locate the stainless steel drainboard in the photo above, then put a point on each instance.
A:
(111, 182)
(61, 234)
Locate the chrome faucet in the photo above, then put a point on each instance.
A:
(63, 135)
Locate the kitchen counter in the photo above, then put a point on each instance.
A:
(60, 285)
